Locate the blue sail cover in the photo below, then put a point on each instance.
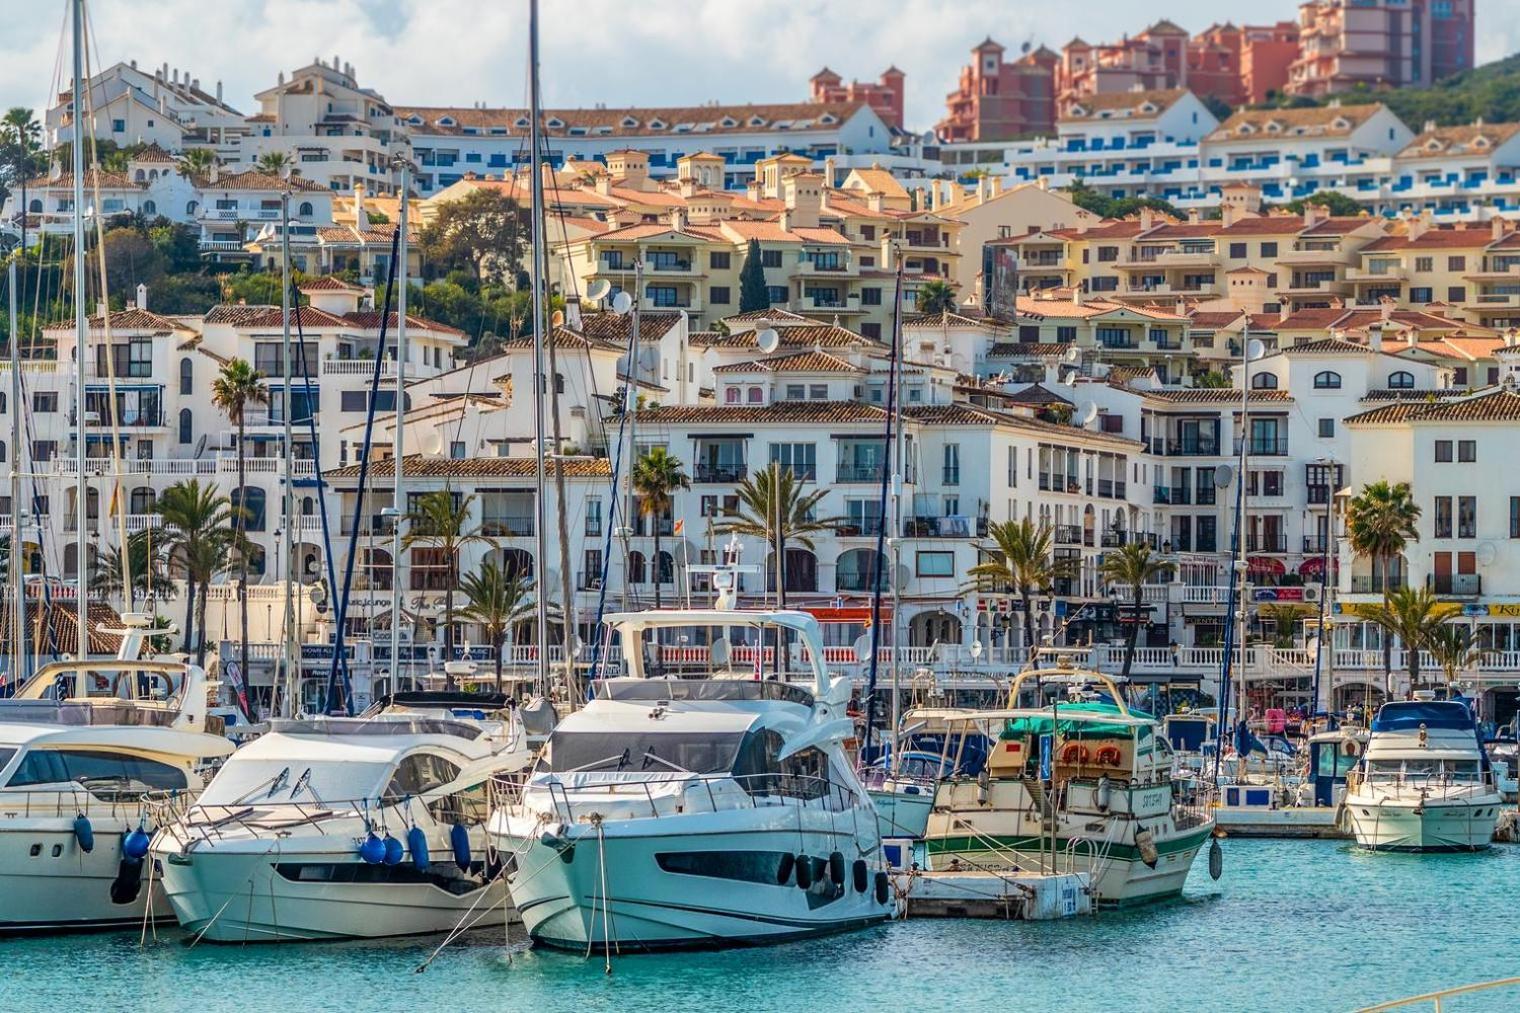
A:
(1409, 715)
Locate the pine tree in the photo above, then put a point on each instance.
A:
(752, 291)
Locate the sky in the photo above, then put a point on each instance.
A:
(672, 52)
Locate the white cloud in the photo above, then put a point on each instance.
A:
(673, 52)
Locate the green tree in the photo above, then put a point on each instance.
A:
(196, 162)
(1454, 649)
(274, 163)
(178, 245)
(774, 506)
(1337, 203)
(496, 600)
(753, 294)
(147, 558)
(1133, 566)
(1380, 523)
(1023, 558)
(1284, 617)
(935, 297)
(1413, 615)
(197, 536)
(21, 155)
(1085, 197)
(656, 477)
(440, 520)
(238, 387)
(484, 233)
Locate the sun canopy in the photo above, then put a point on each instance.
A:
(1409, 715)
(1079, 720)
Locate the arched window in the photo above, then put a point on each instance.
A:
(150, 207)
(635, 568)
(3, 404)
(1401, 380)
(2, 451)
(139, 176)
(35, 207)
(186, 426)
(801, 571)
(308, 506)
(251, 501)
(1327, 380)
(854, 570)
(256, 560)
(665, 572)
(142, 500)
(516, 564)
(1264, 381)
(186, 376)
(190, 208)
(305, 211)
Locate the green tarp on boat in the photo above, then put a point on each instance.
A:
(1079, 729)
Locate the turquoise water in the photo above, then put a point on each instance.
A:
(1292, 925)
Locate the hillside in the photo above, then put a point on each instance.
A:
(1491, 92)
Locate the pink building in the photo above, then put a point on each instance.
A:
(996, 100)
(885, 96)
(1380, 44)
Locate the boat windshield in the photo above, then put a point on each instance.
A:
(1421, 770)
(680, 752)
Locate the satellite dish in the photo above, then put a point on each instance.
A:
(1223, 475)
(622, 303)
(431, 444)
(1255, 349)
(769, 340)
(1069, 378)
(557, 318)
(1072, 355)
(597, 290)
(1086, 412)
(976, 649)
(1487, 553)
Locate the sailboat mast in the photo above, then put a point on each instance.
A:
(899, 474)
(398, 493)
(538, 277)
(17, 556)
(81, 512)
(287, 535)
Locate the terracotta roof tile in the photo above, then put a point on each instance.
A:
(1311, 121)
(615, 122)
(472, 467)
(1212, 395)
(796, 362)
(1492, 405)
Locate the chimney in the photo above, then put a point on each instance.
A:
(996, 184)
(1385, 307)
(1078, 295)
(573, 312)
(1052, 373)
(1496, 228)
(828, 171)
(932, 197)
(1375, 337)
(752, 189)
(1419, 225)
(361, 217)
(1313, 213)
(1194, 216)
(982, 187)
(874, 200)
(678, 218)
(1147, 219)
(219, 91)
(142, 296)
(216, 171)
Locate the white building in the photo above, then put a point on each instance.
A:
(166, 107)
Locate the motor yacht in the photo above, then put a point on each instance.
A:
(715, 808)
(84, 747)
(330, 828)
(1076, 785)
(1424, 783)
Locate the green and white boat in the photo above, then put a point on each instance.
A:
(1081, 785)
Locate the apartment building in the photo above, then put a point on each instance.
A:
(1000, 100)
(885, 95)
(165, 106)
(1155, 59)
(1241, 64)
(451, 141)
(1380, 43)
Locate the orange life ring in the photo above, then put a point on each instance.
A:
(1109, 756)
(1074, 752)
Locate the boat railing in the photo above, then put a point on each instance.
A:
(1010, 858)
(260, 818)
(67, 803)
(1436, 998)
(754, 791)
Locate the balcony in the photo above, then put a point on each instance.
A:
(353, 367)
(506, 526)
(1313, 258)
(1389, 274)
(1068, 534)
(1267, 541)
(1316, 545)
(1192, 448)
(859, 527)
(720, 472)
(1264, 446)
(856, 579)
(858, 473)
(1176, 495)
(1456, 585)
(585, 581)
(944, 527)
(1366, 583)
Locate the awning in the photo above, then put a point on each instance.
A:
(1265, 565)
(1315, 565)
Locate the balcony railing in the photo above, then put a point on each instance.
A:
(720, 473)
(1316, 545)
(1175, 495)
(1192, 448)
(1460, 585)
(506, 527)
(1364, 583)
(1267, 542)
(944, 527)
(1068, 534)
(858, 473)
(1268, 446)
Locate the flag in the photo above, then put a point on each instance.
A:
(680, 526)
(759, 661)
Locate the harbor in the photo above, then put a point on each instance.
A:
(1312, 905)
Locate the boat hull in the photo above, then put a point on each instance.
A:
(246, 896)
(654, 900)
(48, 883)
(1399, 825)
(900, 812)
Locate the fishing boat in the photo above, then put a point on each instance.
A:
(1424, 783)
(83, 747)
(336, 827)
(1307, 803)
(1076, 785)
(708, 810)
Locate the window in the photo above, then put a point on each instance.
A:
(1401, 380)
(1326, 429)
(1456, 293)
(770, 258)
(1467, 517)
(936, 564)
(1269, 249)
(1443, 451)
(818, 392)
(1467, 451)
(1327, 380)
(952, 473)
(1066, 334)
(756, 395)
(1514, 516)
(719, 295)
(870, 297)
(775, 293)
(719, 260)
(1237, 251)
(1443, 517)
(1456, 263)
(1421, 294)
(114, 771)
(44, 401)
(305, 210)
(1424, 264)
(186, 427)
(1264, 381)
(795, 391)
(418, 773)
(1108, 254)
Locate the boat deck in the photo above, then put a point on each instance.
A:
(1008, 896)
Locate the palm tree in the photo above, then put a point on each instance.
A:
(1024, 559)
(1453, 647)
(197, 534)
(1413, 615)
(1134, 566)
(1380, 523)
(195, 162)
(656, 478)
(439, 520)
(147, 556)
(495, 600)
(773, 506)
(935, 297)
(21, 155)
(273, 162)
(237, 387)
(1284, 617)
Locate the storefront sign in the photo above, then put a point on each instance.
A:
(1268, 594)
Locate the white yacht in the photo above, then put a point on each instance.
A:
(329, 828)
(1424, 783)
(84, 747)
(697, 811)
(1083, 785)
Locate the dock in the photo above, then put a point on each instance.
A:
(1290, 821)
(1004, 895)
